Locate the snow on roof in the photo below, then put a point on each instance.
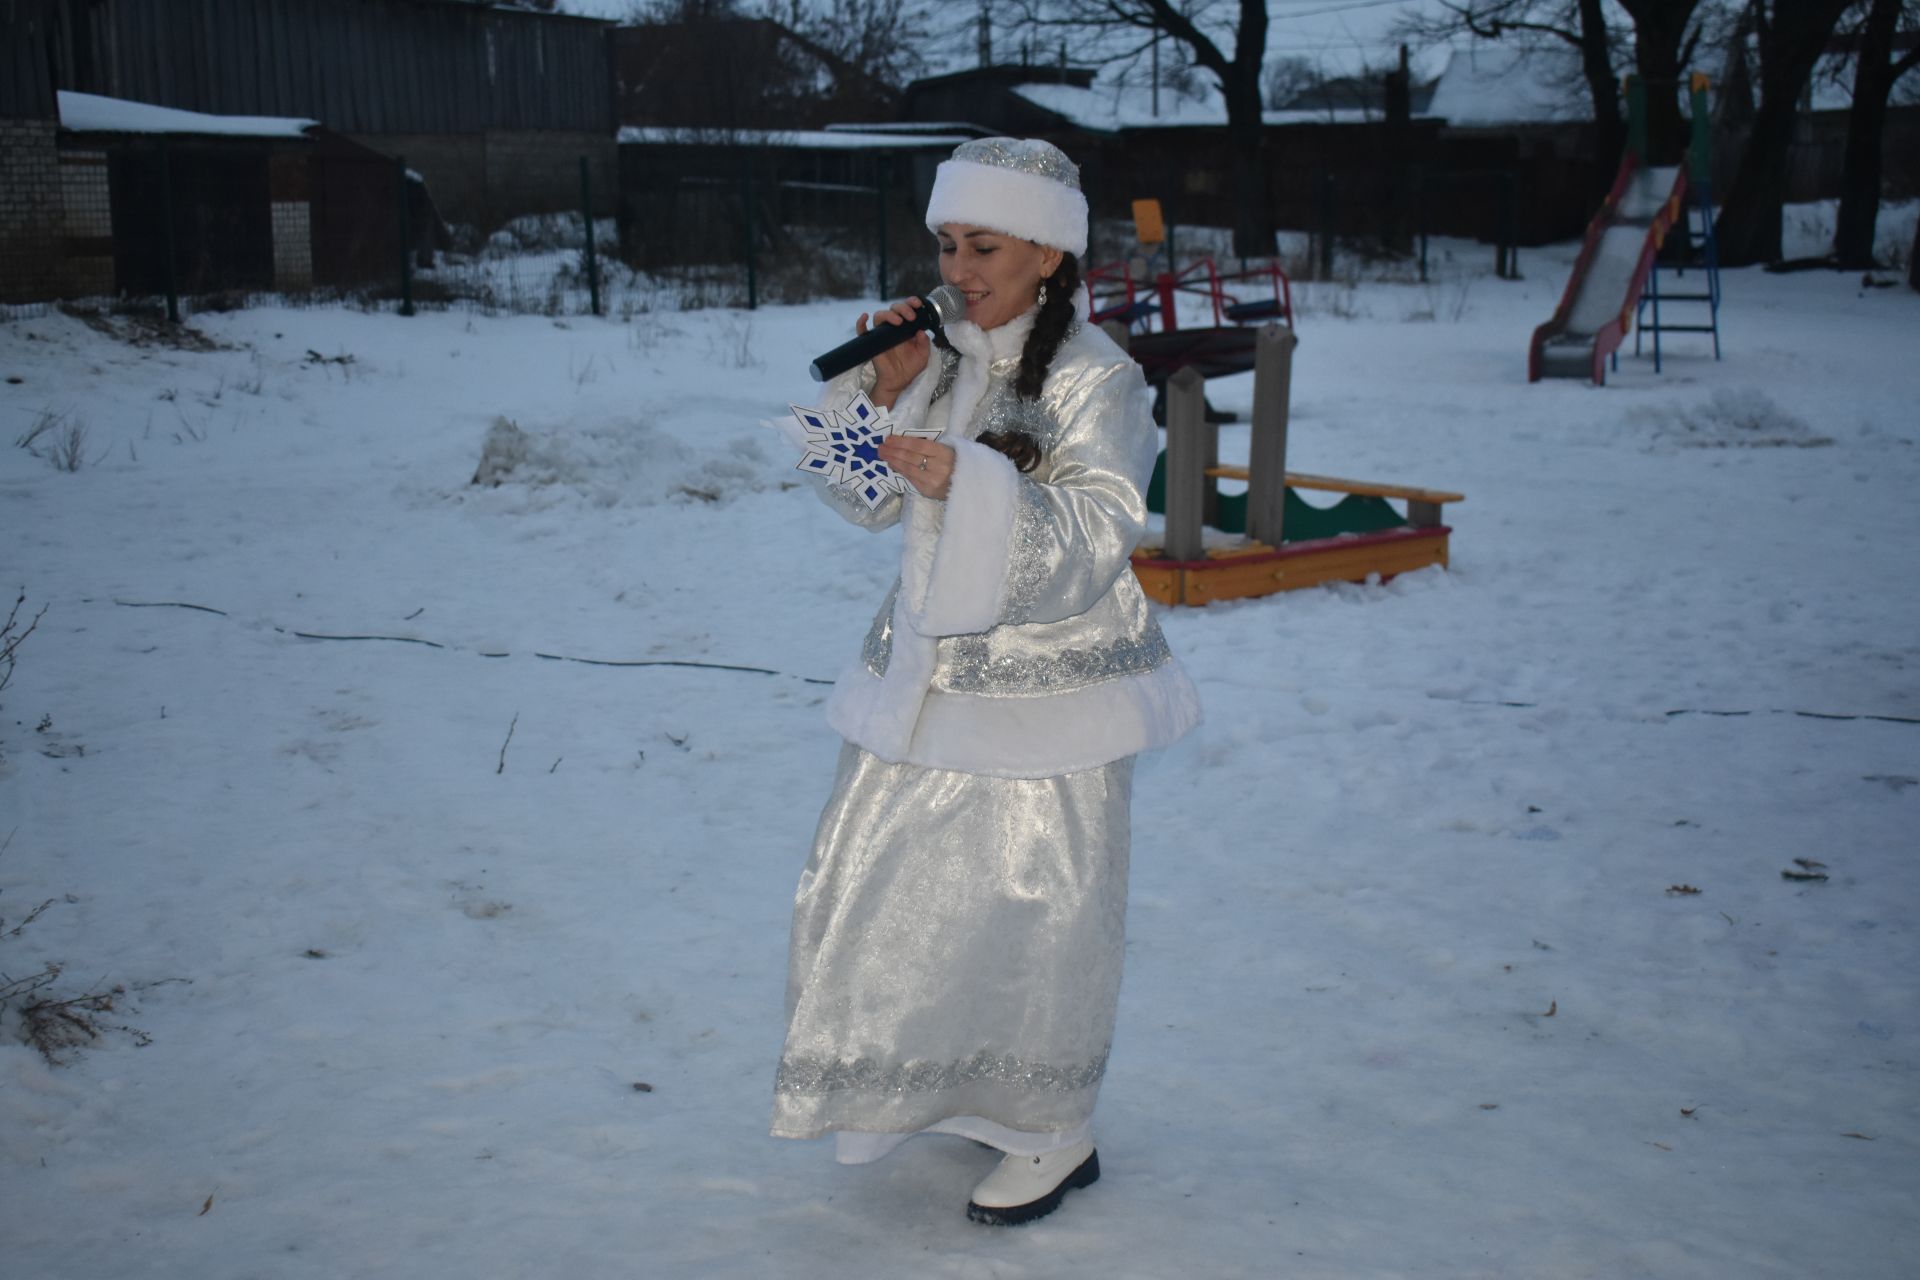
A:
(812, 139)
(1332, 115)
(1490, 84)
(91, 113)
(1107, 108)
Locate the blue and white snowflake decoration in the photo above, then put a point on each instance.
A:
(843, 445)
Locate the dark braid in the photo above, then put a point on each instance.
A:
(1043, 343)
(1049, 328)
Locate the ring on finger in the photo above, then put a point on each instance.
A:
(923, 464)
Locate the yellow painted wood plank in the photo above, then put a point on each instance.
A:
(1231, 581)
(1333, 484)
(1159, 583)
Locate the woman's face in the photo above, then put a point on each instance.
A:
(999, 273)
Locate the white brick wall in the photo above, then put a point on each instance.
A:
(292, 244)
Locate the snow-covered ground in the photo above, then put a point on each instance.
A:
(1410, 991)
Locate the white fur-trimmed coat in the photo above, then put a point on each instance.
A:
(1017, 642)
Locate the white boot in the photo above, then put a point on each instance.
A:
(1023, 1188)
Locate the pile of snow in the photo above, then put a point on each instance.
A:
(1806, 230)
(1729, 418)
(612, 464)
(543, 232)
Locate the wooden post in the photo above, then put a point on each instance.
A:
(1267, 462)
(1210, 458)
(1186, 463)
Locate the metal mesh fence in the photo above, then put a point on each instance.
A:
(172, 225)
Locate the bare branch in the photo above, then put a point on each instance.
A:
(503, 746)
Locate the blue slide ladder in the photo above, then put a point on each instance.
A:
(1704, 255)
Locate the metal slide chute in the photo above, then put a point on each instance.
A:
(1596, 311)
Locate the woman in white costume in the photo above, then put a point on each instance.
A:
(958, 930)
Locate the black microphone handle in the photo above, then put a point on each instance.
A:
(864, 347)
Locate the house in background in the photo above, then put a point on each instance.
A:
(31, 213)
(115, 198)
(247, 202)
(494, 106)
(737, 73)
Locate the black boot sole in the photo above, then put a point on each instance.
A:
(1019, 1215)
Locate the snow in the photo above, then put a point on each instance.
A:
(1408, 991)
(812, 139)
(1616, 257)
(91, 113)
(1111, 106)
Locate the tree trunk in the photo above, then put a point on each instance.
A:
(1659, 29)
(1866, 118)
(1609, 127)
(1749, 227)
(1253, 212)
(1253, 216)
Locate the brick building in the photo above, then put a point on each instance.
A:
(30, 199)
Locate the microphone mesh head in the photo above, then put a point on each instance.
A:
(949, 303)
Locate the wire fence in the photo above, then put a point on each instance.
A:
(183, 226)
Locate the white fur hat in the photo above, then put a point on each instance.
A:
(1022, 186)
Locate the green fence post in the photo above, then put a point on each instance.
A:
(1326, 226)
(1513, 226)
(406, 240)
(746, 204)
(586, 218)
(1419, 196)
(166, 205)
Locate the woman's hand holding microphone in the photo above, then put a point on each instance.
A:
(927, 465)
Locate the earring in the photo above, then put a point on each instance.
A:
(1043, 293)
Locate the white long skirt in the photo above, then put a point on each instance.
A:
(956, 954)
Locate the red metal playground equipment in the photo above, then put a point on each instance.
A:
(1136, 297)
(1140, 288)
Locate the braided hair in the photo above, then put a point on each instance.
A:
(1036, 358)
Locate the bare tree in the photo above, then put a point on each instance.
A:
(1227, 39)
(1791, 35)
(1580, 25)
(1665, 35)
(878, 39)
(1875, 69)
(1288, 80)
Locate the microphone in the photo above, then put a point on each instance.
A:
(940, 307)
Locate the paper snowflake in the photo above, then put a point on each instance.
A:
(844, 446)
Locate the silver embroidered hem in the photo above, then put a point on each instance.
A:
(956, 950)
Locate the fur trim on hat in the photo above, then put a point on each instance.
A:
(1019, 204)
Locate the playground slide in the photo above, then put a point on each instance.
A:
(1596, 311)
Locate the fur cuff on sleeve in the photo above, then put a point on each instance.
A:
(967, 582)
